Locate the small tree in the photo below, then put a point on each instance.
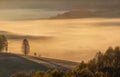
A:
(3, 43)
(25, 47)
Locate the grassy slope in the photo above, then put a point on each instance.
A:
(54, 63)
(11, 63)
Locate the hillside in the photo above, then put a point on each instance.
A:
(53, 63)
(88, 14)
(74, 14)
(11, 63)
(92, 9)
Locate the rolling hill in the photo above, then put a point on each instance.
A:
(88, 14)
(11, 63)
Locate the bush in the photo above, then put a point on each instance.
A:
(38, 74)
(84, 73)
(56, 73)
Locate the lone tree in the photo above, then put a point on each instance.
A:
(25, 47)
(3, 43)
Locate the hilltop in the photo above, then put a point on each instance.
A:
(11, 63)
(79, 13)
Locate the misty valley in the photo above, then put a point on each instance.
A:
(59, 38)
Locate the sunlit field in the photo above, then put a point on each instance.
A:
(73, 39)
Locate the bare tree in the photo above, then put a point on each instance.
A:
(25, 47)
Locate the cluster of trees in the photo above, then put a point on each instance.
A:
(4, 45)
(102, 65)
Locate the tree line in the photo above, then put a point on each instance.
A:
(4, 45)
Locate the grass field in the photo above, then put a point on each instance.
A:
(11, 63)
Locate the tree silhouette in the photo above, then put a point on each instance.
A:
(25, 47)
(85, 72)
(56, 73)
(3, 43)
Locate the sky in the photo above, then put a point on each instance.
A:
(33, 9)
(37, 9)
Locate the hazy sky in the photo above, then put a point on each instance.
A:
(24, 14)
(33, 9)
(36, 9)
